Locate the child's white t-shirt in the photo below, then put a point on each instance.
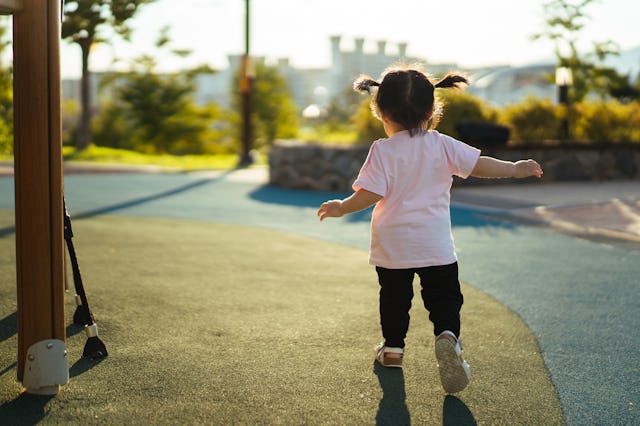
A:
(411, 224)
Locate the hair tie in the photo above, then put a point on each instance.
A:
(373, 88)
(371, 85)
(364, 85)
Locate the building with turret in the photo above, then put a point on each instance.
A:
(317, 86)
(347, 65)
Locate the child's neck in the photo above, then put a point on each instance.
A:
(391, 127)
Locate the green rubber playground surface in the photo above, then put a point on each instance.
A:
(211, 323)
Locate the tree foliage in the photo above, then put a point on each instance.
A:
(368, 127)
(565, 19)
(619, 86)
(6, 95)
(156, 113)
(83, 22)
(343, 108)
(274, 112)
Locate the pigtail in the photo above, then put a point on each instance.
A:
(364, 83)
(452, 80)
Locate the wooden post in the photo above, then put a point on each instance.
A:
(38, 175)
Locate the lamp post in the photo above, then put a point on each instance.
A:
(247, 74)
(564, 79)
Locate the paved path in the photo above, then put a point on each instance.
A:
(580, 297)
(597, 210)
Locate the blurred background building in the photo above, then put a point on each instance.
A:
(316, 87)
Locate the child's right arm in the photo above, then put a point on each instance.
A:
(359, 200)
(489, 167)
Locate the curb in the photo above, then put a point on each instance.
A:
(536, 217)
(79, 167)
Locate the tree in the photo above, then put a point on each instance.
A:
(274, 112)
(564, 21)
(343, 107)
(155, 113)
(619, 86)
(83, 20)
(6, 96)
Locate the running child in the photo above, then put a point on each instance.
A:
(408, 177)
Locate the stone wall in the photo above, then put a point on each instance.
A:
(312, 166)
(334, 168)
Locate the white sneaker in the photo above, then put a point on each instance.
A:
(455, 373)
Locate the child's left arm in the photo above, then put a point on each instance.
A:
(359, 200)
(489, 167)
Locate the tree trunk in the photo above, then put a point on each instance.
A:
(84, 129)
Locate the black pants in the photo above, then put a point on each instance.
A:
(440, 294)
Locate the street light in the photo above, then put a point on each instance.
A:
(564, 79)
(247, 74)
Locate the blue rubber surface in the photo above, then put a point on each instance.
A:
(580, 298)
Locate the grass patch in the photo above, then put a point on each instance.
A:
(212, 323)
(99, 154)
(324, 135)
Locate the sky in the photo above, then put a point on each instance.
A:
(470, 34)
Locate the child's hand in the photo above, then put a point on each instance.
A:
(330, 208)
(526, 168)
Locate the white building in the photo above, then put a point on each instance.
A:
(508, 85)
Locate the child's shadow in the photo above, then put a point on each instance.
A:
(392, 409)
(455, 412)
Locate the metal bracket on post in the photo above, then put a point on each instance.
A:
(46, 367)
(8, 7)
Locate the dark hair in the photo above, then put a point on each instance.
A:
(406, 96)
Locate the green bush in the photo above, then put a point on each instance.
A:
(6, 109)
(70, 114)
(534, 120)
(460, 106)
(6, 139)
(111, 127)
(368, 127)
(609, 121)
(457, 106)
